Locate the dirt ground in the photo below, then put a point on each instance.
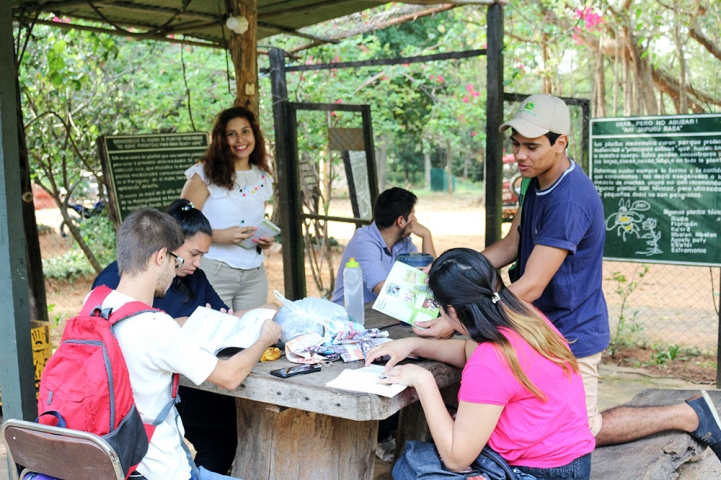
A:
(672, 306)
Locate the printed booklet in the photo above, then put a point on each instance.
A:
(405, 295)
(214, 331)
(266, 228)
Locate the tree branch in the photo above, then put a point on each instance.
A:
(697, 35)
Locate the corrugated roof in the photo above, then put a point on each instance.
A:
(201, 19)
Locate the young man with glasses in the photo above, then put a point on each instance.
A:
(154, 347)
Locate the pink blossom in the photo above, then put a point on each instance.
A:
(591, 20)
(473, 133)
(340, 100)
(406, 64)
(465, 99)
(441, 79)
(431, 77)
(475, 94)
(469, 87)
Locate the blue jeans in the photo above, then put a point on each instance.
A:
(208, 475)
(420, 460)
(579, 469)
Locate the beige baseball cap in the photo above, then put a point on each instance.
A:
(540, 114)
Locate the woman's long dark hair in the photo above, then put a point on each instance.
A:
(218, 161)
(465, 280)
(191, 221)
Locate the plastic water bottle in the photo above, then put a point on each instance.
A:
(353, 291)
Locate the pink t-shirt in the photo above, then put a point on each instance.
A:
(530, 432)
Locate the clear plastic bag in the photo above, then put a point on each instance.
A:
(311, 315)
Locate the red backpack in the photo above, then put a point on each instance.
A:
(86, 386)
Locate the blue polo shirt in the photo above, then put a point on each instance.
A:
(370, 251)
(569, 215)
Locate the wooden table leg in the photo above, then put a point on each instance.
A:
(281, 444)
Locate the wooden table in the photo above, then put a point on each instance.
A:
(301, 429)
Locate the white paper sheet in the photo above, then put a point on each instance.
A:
(212, 330)
(366, 380)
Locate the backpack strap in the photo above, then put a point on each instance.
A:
(95, 300)
(130, 309)
(513, 273)
(525, 182)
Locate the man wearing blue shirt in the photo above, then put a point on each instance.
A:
(376, 246)
(558, 240)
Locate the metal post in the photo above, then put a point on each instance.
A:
(17, 373)
(288, 184)
(494, 119)
(718, 342)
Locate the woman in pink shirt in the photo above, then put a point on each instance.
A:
(521, 392)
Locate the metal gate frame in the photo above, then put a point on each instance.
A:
(295, 221)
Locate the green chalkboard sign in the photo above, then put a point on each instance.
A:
(147, 170)
(660, 182)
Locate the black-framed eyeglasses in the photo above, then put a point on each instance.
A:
(178, 260)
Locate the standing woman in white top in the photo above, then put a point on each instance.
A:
(230, 185)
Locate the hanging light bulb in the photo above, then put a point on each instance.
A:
(237, 24)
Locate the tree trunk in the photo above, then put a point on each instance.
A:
(449, 167)
(546, 70)
(244, 52)
(600, 86)
(381, 163)
(615, 81)
(683, 104)
(427, 167)
(626, 79)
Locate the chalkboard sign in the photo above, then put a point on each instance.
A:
(660, 182)
(147, 170)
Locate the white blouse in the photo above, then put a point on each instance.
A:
(243, 206)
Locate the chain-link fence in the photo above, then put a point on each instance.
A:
(656, 304)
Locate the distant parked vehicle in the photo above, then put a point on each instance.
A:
(511, 187)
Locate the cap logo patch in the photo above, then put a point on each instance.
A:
(529, 106)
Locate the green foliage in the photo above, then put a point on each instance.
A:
(69, 266)
(55, 318)
(96, 231)
(661, 356)
(628, 332)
